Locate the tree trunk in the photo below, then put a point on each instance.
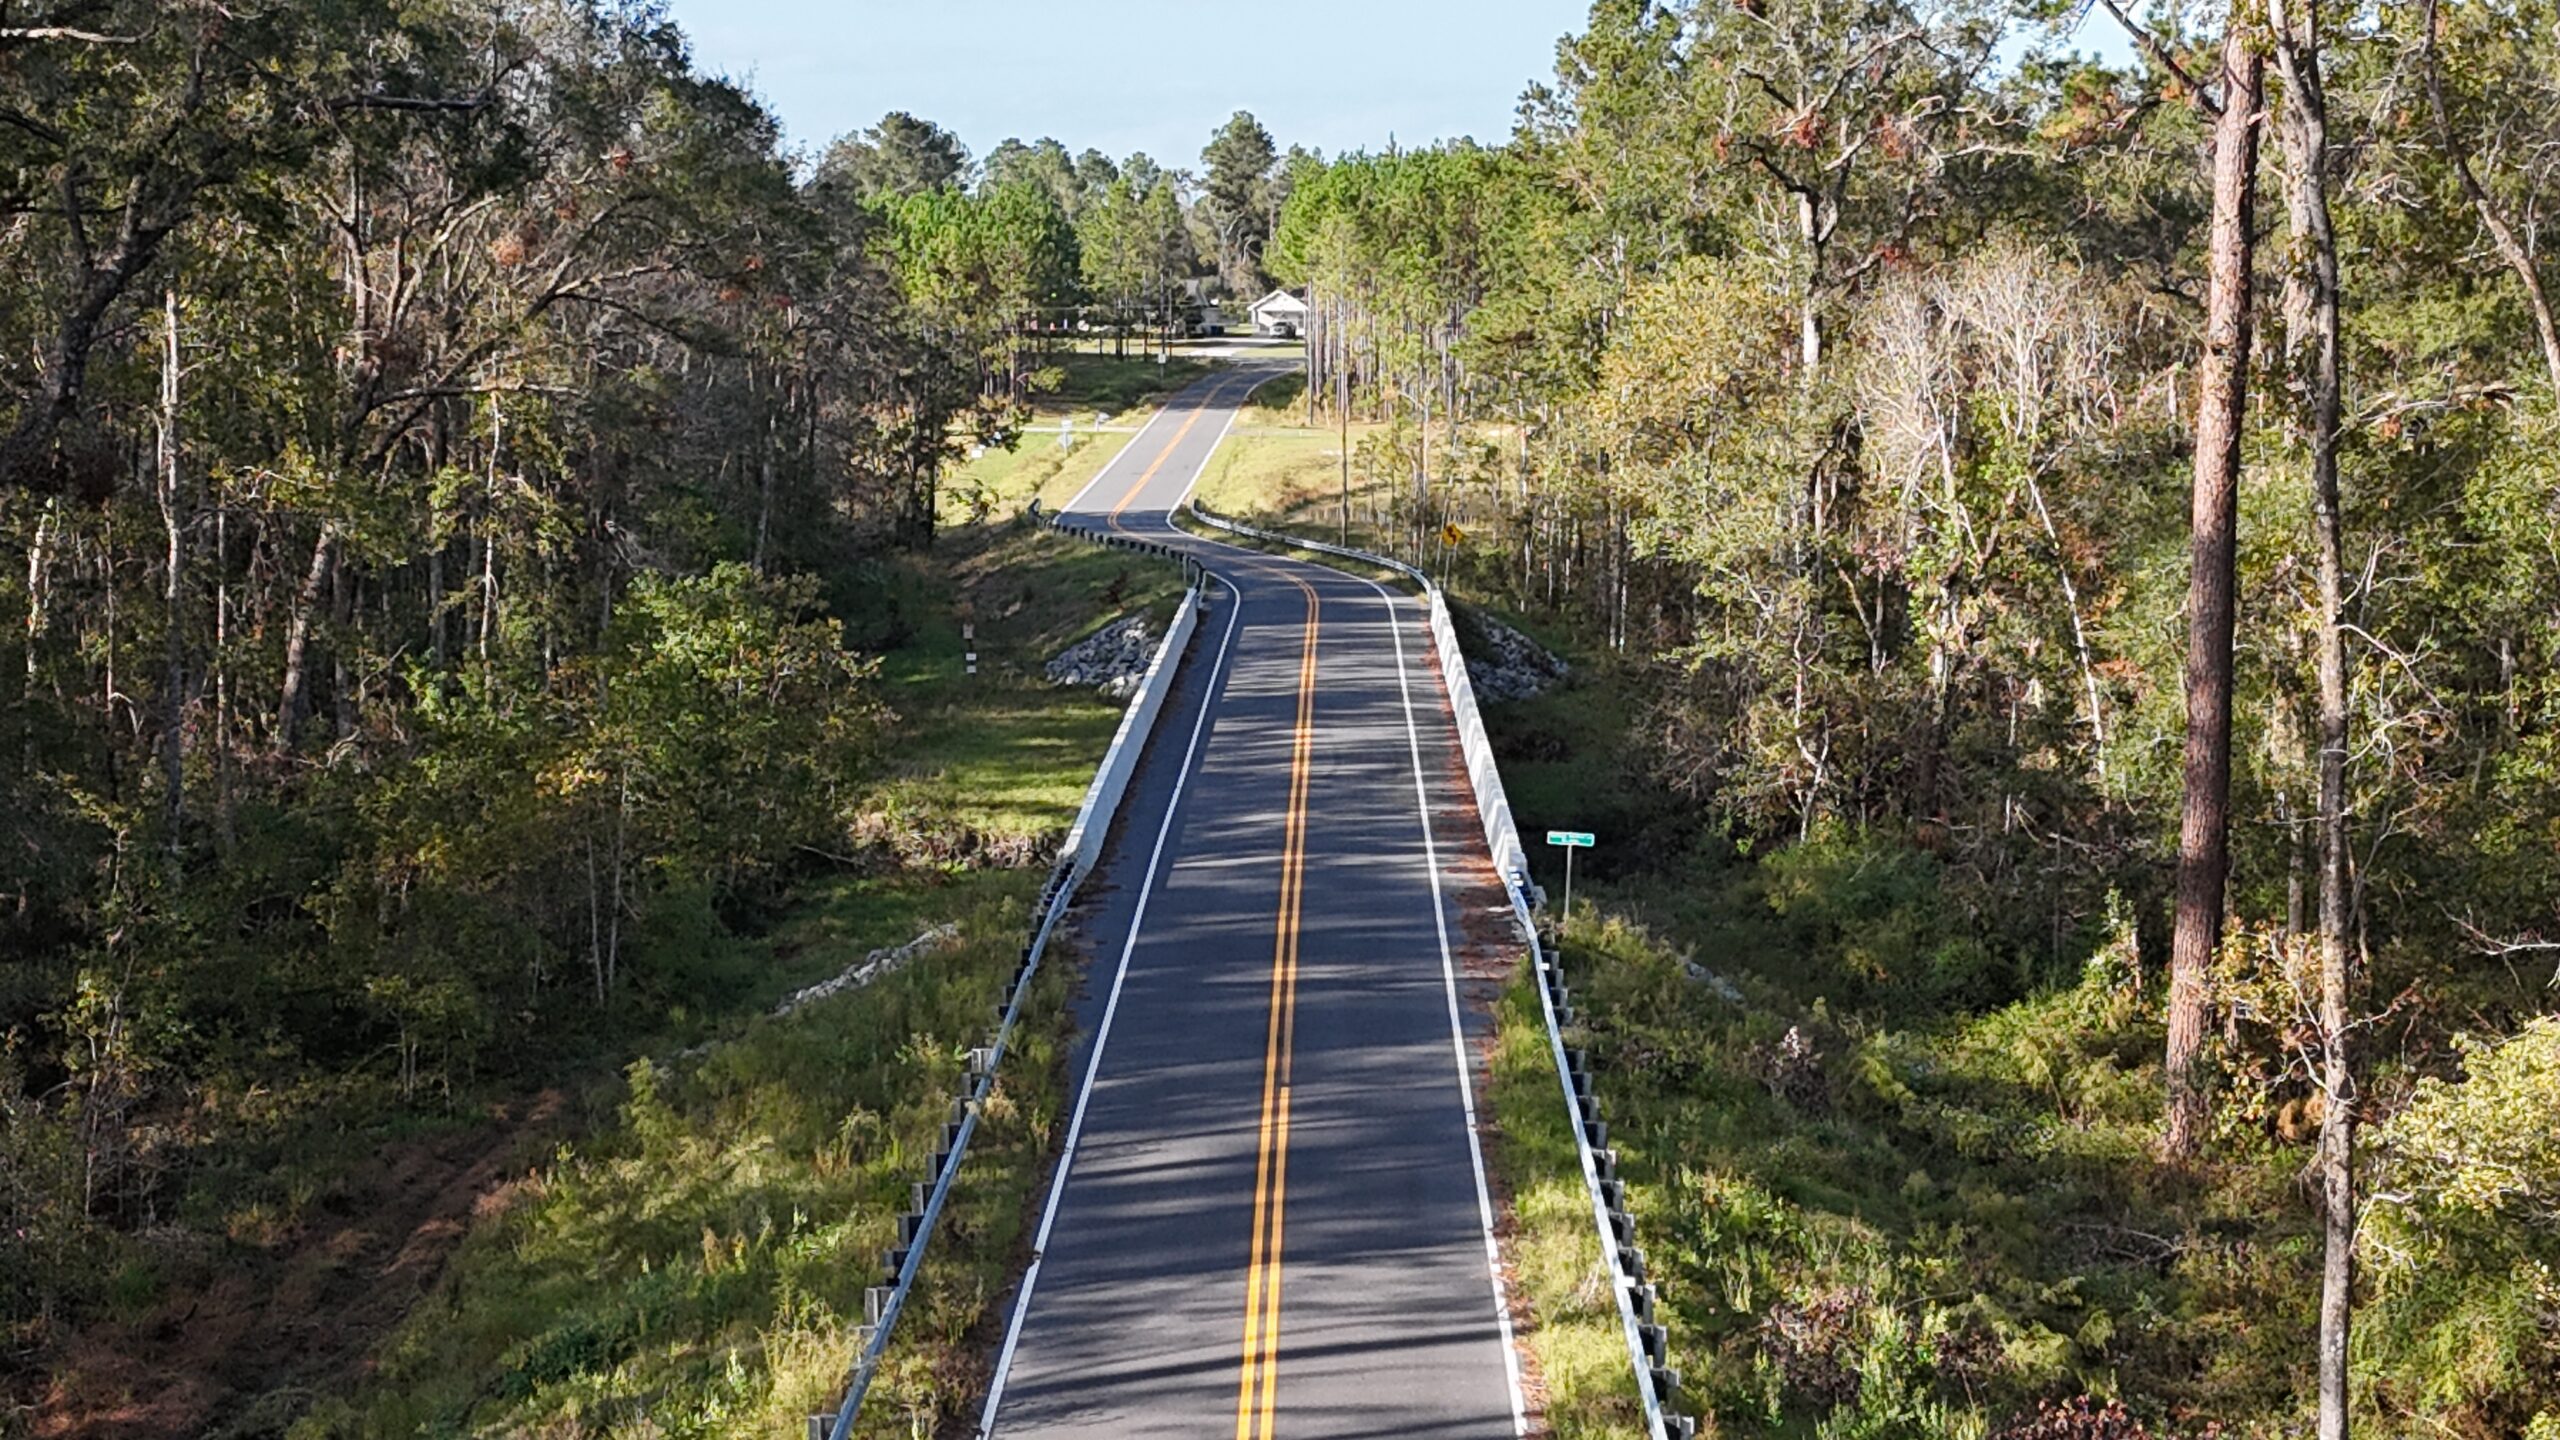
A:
(175, 519)
(342, 680)
(613, 916)
(1342, 418)
(487, 584)
(1319, 333)
(39, 586)
(294, 695)
(438, 454)
(1810, 321)
(595, 923)
(2222, 401)
(2306, 141)
(764, 487)
(223, 829)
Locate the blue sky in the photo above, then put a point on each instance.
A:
(1151, 75)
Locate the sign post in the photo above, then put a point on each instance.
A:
(1570, 841)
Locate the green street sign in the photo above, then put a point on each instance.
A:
(1572, 839)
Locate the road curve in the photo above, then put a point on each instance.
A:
(1270, 1217)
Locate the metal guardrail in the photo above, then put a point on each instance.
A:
(1657, 1384)
(904, 1261)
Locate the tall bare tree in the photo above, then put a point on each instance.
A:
(2312, 344)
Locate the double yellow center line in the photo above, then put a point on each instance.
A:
(1257, 1386)
(1211, 398)
(1257, 1389)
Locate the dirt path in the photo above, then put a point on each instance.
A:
(248, 1351)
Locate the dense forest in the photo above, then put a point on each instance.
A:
(2062, 560)
(2056, 521)
(446, 450)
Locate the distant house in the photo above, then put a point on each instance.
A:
(1282, 313)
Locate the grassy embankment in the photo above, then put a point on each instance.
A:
(1279, 471)
(996, 483)
(695, 1263)
(1275, 469)
(1891, 1164)
(1932, 1206)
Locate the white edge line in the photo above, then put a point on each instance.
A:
(1219, 439)
(1439, 919)
(1457, 1026)
(1114, 462)
(1656, 1412)
(1197, 470)
(1102, 1032)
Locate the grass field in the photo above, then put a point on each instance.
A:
(1283, 472)
(1004, 756)
(694, 1265)
(1087, 383)
(1353, 485)
(1277, 470)
(1076, 430)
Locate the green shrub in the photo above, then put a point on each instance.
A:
(1874, 917)
(2462, 1240)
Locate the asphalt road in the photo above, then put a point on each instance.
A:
(1270, 1219)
